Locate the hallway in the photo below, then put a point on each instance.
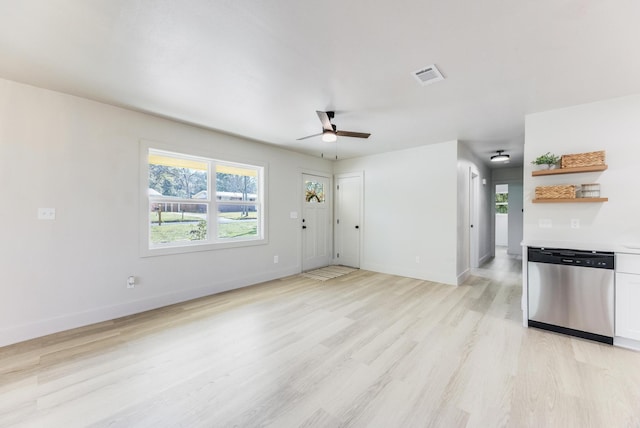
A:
(503, 267)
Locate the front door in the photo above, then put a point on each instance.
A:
(348, 219)
(316, 222)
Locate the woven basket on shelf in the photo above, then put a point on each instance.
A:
(564, 191)
(583, 159)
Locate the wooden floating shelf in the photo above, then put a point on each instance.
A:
(556, 171)
(544, 201)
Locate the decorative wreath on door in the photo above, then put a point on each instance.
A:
(310, 195)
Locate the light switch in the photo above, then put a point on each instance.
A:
(46, 213)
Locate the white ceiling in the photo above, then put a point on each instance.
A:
(260, 69)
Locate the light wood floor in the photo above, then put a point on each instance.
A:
(364, 350)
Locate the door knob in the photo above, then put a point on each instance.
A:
(304, 227)
(357, 227)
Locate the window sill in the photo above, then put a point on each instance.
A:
(184, 249)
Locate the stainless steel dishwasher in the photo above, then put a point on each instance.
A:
(572, 292)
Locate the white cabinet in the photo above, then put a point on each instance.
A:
(628, 296)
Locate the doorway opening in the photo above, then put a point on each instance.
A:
(507, 261)
(502, 217)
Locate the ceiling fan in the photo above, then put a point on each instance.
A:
(329, 131)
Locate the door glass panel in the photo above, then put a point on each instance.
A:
(314, 192)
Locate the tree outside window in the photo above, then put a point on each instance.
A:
(502, 203)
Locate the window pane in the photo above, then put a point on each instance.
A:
(502, 203)
(237, 221)
(314, 191)
(177, 177)
(172, 222)
(236, 184)
(182, 196)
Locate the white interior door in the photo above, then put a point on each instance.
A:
(473, 220)
(316, 222)
(348, 219)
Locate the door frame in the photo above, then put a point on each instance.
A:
(330, 209)
(336, 239)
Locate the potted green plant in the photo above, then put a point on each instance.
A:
(546, 161)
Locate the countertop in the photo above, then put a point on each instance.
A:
(629, 248)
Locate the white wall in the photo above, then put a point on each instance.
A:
(410, 208)
(611, 125)
(81, 157)
(468, 163)
(502, 229)
(512, 177)
(514, 246)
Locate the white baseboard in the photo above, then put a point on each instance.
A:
(484, 259)
(410, 273)
(626, 343)
(65, 322)
(463, 276)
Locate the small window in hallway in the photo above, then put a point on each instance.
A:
(502, 199)
(502, 215)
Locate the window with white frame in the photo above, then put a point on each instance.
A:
(195, 201)
(502, 199)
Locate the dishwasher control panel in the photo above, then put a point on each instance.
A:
(593, 259)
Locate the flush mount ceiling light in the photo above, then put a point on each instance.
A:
(329, 136)
(500, 157)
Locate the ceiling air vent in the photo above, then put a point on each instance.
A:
(428, 75)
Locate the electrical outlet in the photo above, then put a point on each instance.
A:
(131, 282)
(276, 259)
(46, 213)
(575, 223)
(417, 259)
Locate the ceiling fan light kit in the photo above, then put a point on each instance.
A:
(329, 131)
(500, 156)
(329, 136)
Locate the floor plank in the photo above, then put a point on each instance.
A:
(360, 350)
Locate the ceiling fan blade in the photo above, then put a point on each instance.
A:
(325, 118)
(309, 136)
(352, 134)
